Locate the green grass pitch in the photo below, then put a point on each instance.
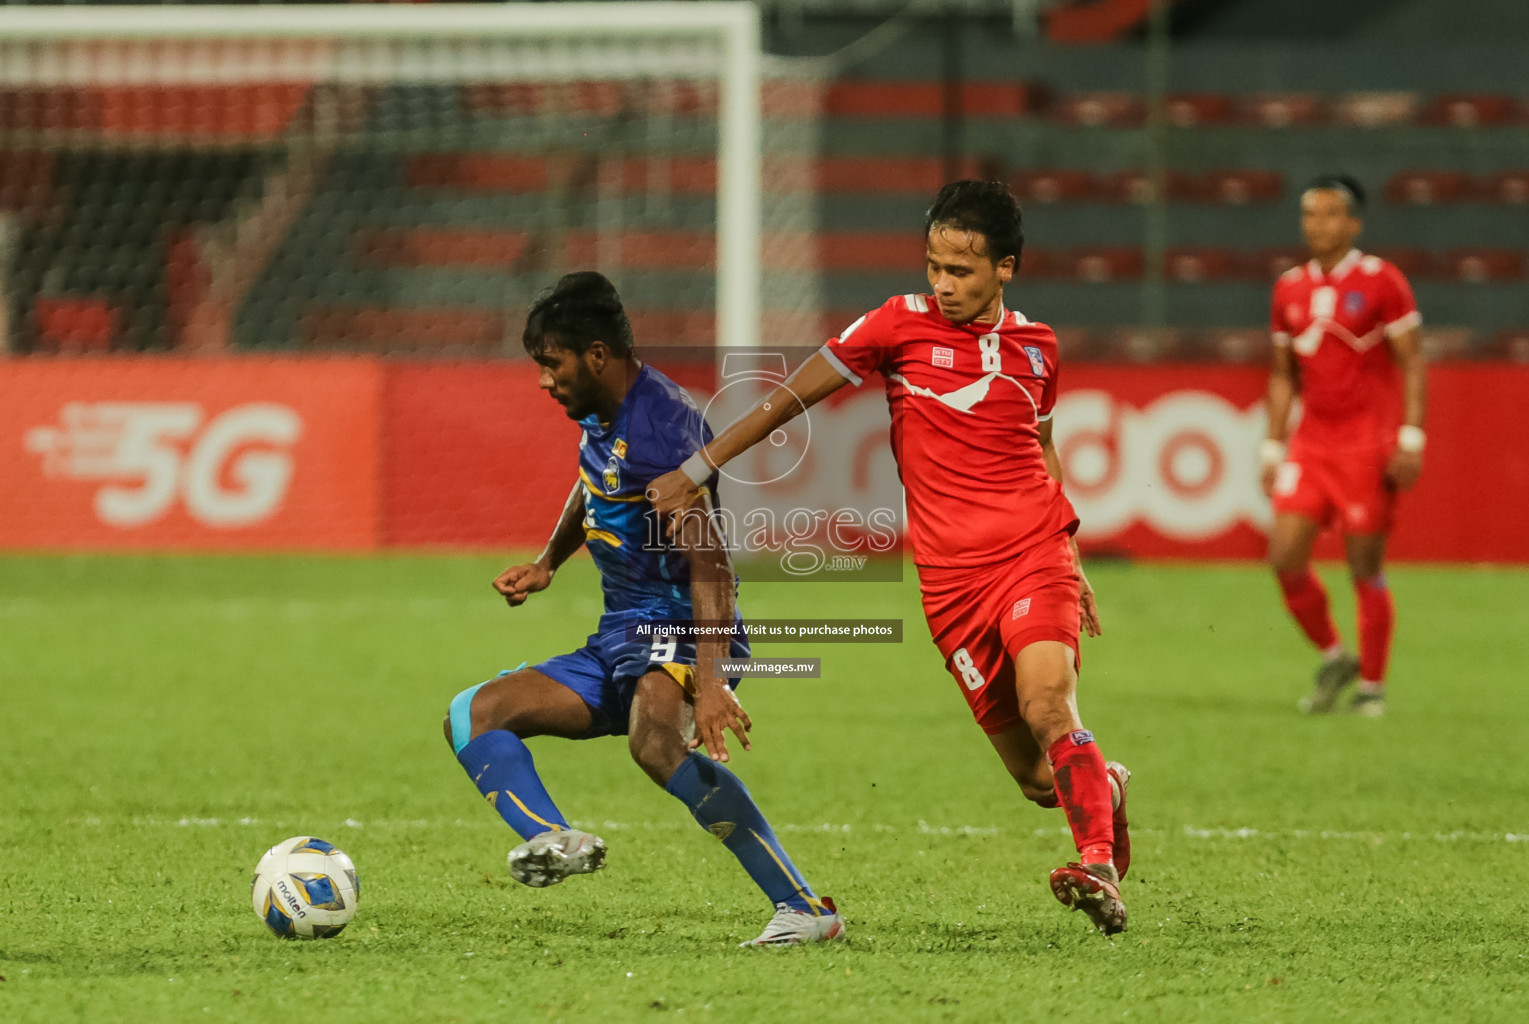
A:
(166, 719)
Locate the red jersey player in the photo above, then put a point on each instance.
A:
(1346, 339)
(971, 384)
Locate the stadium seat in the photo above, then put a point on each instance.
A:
(1441, 343)
(26, 180)
(1415, 263)
(1507, 187)
(1236, 188)
(1482, 265)
(1463, 110)
(1194, 264)
(1137, 187)
(1241, 345)
(1284, 110)
(1101, 109)
(1147, 345)
(1098, 264)
(1190, 110)
(1081, 345)
(1054, 186)
(840, 251)
(1271, 263)
(1425, 188)
(926, 98)
(1512, 345)
(1377, 109)
(74, 324)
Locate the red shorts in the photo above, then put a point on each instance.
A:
(982, 617)
(1344, 488)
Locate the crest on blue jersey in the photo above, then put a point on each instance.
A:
(1353, 302)
(612, 478)
(1037, 361)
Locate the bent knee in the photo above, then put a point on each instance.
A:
(1041, 794)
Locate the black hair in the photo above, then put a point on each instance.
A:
(1343, 184)
(985, 207)
(580, 309)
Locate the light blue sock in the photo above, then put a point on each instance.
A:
(721, 803)
(500, 765)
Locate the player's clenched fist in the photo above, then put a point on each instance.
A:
(518, 582)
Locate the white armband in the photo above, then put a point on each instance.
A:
(697, 468)
(1271, 452)
(1410, 439)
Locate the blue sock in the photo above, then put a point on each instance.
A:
(721, 803)
(500, 765)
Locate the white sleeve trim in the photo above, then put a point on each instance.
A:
(1404, 323)
(1043, 419)
(838, 364)
(1281, 339)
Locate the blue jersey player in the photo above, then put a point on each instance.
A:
(630, 677)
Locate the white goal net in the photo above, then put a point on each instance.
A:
(394, 179)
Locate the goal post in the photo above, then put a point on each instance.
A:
(73, 80)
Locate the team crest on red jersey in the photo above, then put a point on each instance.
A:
(945, 357)
(1037, 361)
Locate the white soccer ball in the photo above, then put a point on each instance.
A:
(305, 888)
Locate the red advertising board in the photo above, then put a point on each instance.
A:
(149, 453)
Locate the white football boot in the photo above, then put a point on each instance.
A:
(791, 927)
(550, 857)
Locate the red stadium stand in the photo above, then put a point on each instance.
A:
(1098, 264)
(1412, 262)
(1195, 264)
(1190, 110)
(1377, 109)
(26, 180)
(1055, 186)
(1285, 110)
(1462, 110)
(74, 324)
(1425, 188)
(1236, 345)
(1137, 187)
(1512, 345)
(1145, 345)
(862, 251)
(927, 99)
(1271, 263)
(1081, 345)
(1507, 187)
(1101, 109)
(1480, 266)
(1447, 343)
(1236, 188)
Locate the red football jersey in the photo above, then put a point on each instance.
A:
(1336, 325)
(967, 401)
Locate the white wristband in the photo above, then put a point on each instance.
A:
(1410, 439)
(697, 468)
(1271, 452)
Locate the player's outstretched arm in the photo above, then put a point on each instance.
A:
(1406, 463)
(518, 582)
(1281, 395)
(711, 600)
(813, 381)
(1088, 606)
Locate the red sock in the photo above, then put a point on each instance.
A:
(1083, 789)
(1377, 621)
(1306, 598)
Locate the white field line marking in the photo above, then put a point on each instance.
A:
(922, 828)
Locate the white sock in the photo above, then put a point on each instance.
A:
(1371, 687)
(1334, 652)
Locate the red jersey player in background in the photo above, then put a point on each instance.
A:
(971, 384)
(1346, 340)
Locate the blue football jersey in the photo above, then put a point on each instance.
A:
(657, 428)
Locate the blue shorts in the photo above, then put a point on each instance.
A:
(604, 672)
